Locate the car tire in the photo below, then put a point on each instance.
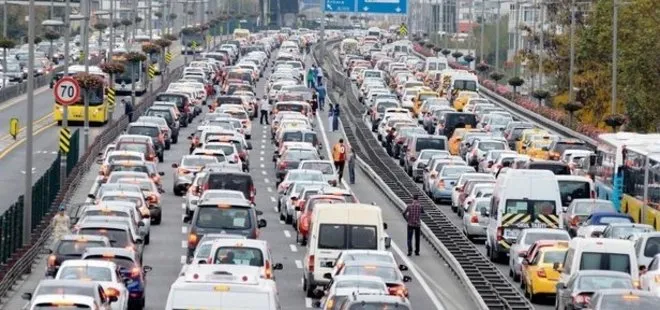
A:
(158, 219)
(309, 290)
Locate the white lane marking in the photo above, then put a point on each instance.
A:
(438, 305)
(270, 190)
(263, 171)
(272, 199)
(263, 146)
(266, 181)
(293, 248)
(184, 229)
(275, 208)
(261, 158)
(308, 302)
(298, 264)
(287, 234)
(262, 165)
(184, 259)
(263, 141)
(262, 152)
(281, 222)
(184, 244)
(183, 206)
(411, 267)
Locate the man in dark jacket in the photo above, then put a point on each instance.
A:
(412, 214)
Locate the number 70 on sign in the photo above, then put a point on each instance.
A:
(66, 91)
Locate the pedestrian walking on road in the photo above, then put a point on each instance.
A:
(339, 157)
(335, 118)
(412, 215)
(351, 165)
(311, 75)
(319, 76)
(264, 106)
(321, 90)
(128, 109)
(61, 223)
(330, 116)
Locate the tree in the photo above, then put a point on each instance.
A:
(496, 76)
(159, 14)
(116, 24)
(172, 16)
(100, 27)
(5, 44)
(540, 95)
(456, 55)
(446, 52)
(516, 82)
(112, 68)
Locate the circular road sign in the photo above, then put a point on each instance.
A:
(66, 91)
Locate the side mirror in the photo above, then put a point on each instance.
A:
(262, 223)
(27, 296)
(146, 269)
(175, 165)
(160, 173)
(249, 145)
(596, 234)
(278, 266)
(91, 196)
(259, 212)
(388, 242)
(556, 266)
(484, 213)
(407, 279)
(403, 267)
(327, 275)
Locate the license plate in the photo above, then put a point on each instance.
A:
(511, 233)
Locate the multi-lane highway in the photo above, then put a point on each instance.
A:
(434, 286)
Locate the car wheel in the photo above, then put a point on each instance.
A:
(158, 219)
(176, 191)
(309, 290)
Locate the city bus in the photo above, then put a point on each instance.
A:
(186, 43)
(640, 176)
(134, 74)
(98, 111)
(241, 34)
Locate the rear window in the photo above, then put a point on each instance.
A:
(386, 105)
(198, 161)
(460, 120)
(325, 168)
(58, 306)
(388, 274)
(179, 100)
(114, 168)
(570, 190)
(430, 144)
(300, 155)
(137, 147)
(618, 301)
(117, 157)
(71, 247)
(605, 220)
(533, 237)
(161, 113)
(516, 133)
(560, 147)
(551, 257)
(557, 169)
(230, 100)
(372, 305)
(86, 273)
(124, 263)
(118, 238)
(227, 149)
(605, 261)
(586, 208)
(230, 217)
(491, 145)
(239, 256)
(235, 182)
(341, 237)
(149, 131)
(290, 107)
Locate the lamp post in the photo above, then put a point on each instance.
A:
(65, 122)
(571, 93)
(27, 201)
(85, 10)
(615, 54)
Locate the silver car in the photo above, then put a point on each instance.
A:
(475, 219)
(579, 209)
(325, 166)
(525, 239)
(423, 159)
(185, 171)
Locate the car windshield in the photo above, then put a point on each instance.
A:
(198, 161)
(150, 131)
(533, 237)
(588, 207)
(602, 282)
(551, 257)
(299, 155)
(500, 120)
(491, 145)
(570, 190)
(430, 143)
(85, 273)
(222, 217)
(388, 274)
(75, 247)
(606, 220)
(325, 168)
(239, 256)
(456, 171)
(624, 232)
(304, 176)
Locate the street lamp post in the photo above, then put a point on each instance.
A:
(27, 201)
(541, 44)
(85, 8)
(497, 37)
(65, 123)
(615, 54)
(572, 56)
(481, 40)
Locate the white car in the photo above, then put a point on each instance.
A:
(105, 273)
(325, 166)
(649, 280)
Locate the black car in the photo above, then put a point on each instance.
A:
(223, 215)
(71, 247)
(166, 113)
(452, 120)
(182, 103)
(231, 180)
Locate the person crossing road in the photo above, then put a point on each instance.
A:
(264, 107)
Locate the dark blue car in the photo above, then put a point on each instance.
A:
(132, 273)
(602, 219)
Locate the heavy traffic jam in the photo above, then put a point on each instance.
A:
(526, 193)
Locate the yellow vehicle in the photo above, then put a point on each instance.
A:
(462, 99)
(521, 144)
(538, 148)
(419, 100)
(540, 278)
(241, 34)
(457, 137)
(98, 108)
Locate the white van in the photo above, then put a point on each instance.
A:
(464, 80)
(338, 227)
(599, 254)
(436, 64)
(222, 287)
(573, 187)
(522, 198)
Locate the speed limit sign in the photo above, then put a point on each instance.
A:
(66, 91)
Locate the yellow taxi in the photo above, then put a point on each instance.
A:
(540, 276)
(521, 144)
(538, 148)
(419, 100)
(457, 137)
(462, 99)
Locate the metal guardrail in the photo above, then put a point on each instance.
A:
(20, 261)
(473, 269)
(530, 116)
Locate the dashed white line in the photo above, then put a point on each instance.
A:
(270, 190)
(263, 146)
(184, 229)
(299, 264)
(261, 158)
(308, 302)
(266, 181)
(262, 152)
(263, 171)
(272, 199)
(184, 244)
(287, 234)
(183, 259)
(183, 206)
(293, 248)
(275, 208)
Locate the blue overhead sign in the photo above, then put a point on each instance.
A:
(382, 6)
(366, 6)
(339, 6)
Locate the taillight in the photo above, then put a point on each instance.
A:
(500, 232)
(581, 299)
(52, 260)
(269, 270)
(310, 263)
(135, 272)
(575, 221)
(282, 166)
(657, 279)
(192, 240)
(541, 273)
(474, 219)
(253, 193)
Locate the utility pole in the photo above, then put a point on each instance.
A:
(85, 6)
(497, 37)
(112, 28)
(150, 27)
(27, 201)
(481, 40)
(572, 56)
(516, 42)
(65, 109)
(615, 30)
(541, 45)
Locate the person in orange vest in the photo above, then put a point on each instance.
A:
(339, 157)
